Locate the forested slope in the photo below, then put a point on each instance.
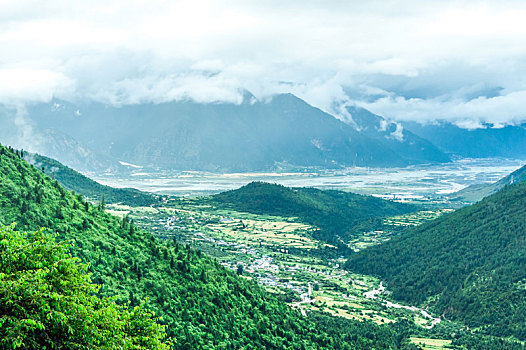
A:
(75, 181)
(204, 305)
(47, 301)
(468, 265)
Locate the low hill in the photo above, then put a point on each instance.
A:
(75, 181)
(203, 305)
(469, 265)
(475, 193)
(335, 213)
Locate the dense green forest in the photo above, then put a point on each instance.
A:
(203, 305)
(47, 301)
(337, 214)
(79, 183)
(469, 265)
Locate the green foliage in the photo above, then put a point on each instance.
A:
(79, 183)
(478, 342)
(47, 301)
(349, 333)
(469, 265)
(335, 213)
(202, 304)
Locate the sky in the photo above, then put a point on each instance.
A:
(461, 61)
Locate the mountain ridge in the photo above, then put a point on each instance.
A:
(403, 141)
(282, 132)
(476, 192)
(468, 265)
(487, 141)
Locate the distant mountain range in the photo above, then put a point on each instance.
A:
(398, 138)
(281, 133)
(22, 133)
(487, 142)
(284, 132)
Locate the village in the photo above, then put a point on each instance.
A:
(282, 256)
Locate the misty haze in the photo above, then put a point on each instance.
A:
(263, 175)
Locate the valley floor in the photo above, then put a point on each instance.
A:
(422, 182)
(282, 255)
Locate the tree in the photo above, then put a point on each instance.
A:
(102, 204)
(239, 269)
(47, 301)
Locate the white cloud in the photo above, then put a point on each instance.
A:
(26, 84)
(405, 59)
(499, 110)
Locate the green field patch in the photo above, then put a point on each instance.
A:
(431, 344)
(286, 234)
(119, 213)
(415, 219)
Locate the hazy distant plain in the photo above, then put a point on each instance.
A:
(432, 180)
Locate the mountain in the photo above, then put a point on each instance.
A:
(203, 305)
(469, 265)
(254, 135)
(75, 181)
(486, 142)
(411, 147)
(19, 132)
(336, 213)
(476, 192)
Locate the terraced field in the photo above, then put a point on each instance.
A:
(415, 219)
(393, 225)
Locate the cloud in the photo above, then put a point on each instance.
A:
(30, 84)
(191, 86)
(17, 130)
(499, 110)
(405, 59)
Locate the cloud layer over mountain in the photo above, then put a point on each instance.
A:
(462, 61)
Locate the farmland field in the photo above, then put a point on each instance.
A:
(282, 254)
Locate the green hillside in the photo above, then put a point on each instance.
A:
(47, 301)
(79, 183)
(203, 305)
(469, 265)
(335, 213)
